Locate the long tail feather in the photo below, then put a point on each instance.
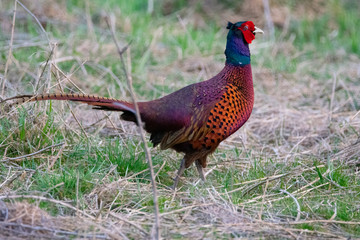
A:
(103, 103)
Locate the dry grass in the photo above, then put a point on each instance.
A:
(292, 172)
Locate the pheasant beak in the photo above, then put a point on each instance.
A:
(258, 30)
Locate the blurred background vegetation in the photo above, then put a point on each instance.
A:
(177, 30)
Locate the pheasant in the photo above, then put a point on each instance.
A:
(195, 119)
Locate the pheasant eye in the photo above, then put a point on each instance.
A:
(246, 27)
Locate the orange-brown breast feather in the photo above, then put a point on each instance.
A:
(227, 116)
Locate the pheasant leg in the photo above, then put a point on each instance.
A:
(200, 170)
(179, 173)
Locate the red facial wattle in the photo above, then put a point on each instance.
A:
(247, 29)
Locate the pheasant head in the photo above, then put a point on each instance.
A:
(239, 37)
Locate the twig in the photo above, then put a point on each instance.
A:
(269, 21)
(332, 97)
(47, 200)
(263, 200)
(271, 178)
(54, 159)
(43, 70)
(54, 231)
(24, 45)
(67, 103)
(266, 179)
(353, 117)
(150, 8)
(162, 166)
(9, 179)
(334, 215)
(31, 154)
(112, 203)
(293, 148)
(11, 40)
(10, 51)
(128, 222)
(311, 189)
(77, 189)
(66, 77)
(321, 221)
(142, 135)
(297, 204)
(187, 208)
(37, 20)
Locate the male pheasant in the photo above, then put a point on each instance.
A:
(195, 119)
